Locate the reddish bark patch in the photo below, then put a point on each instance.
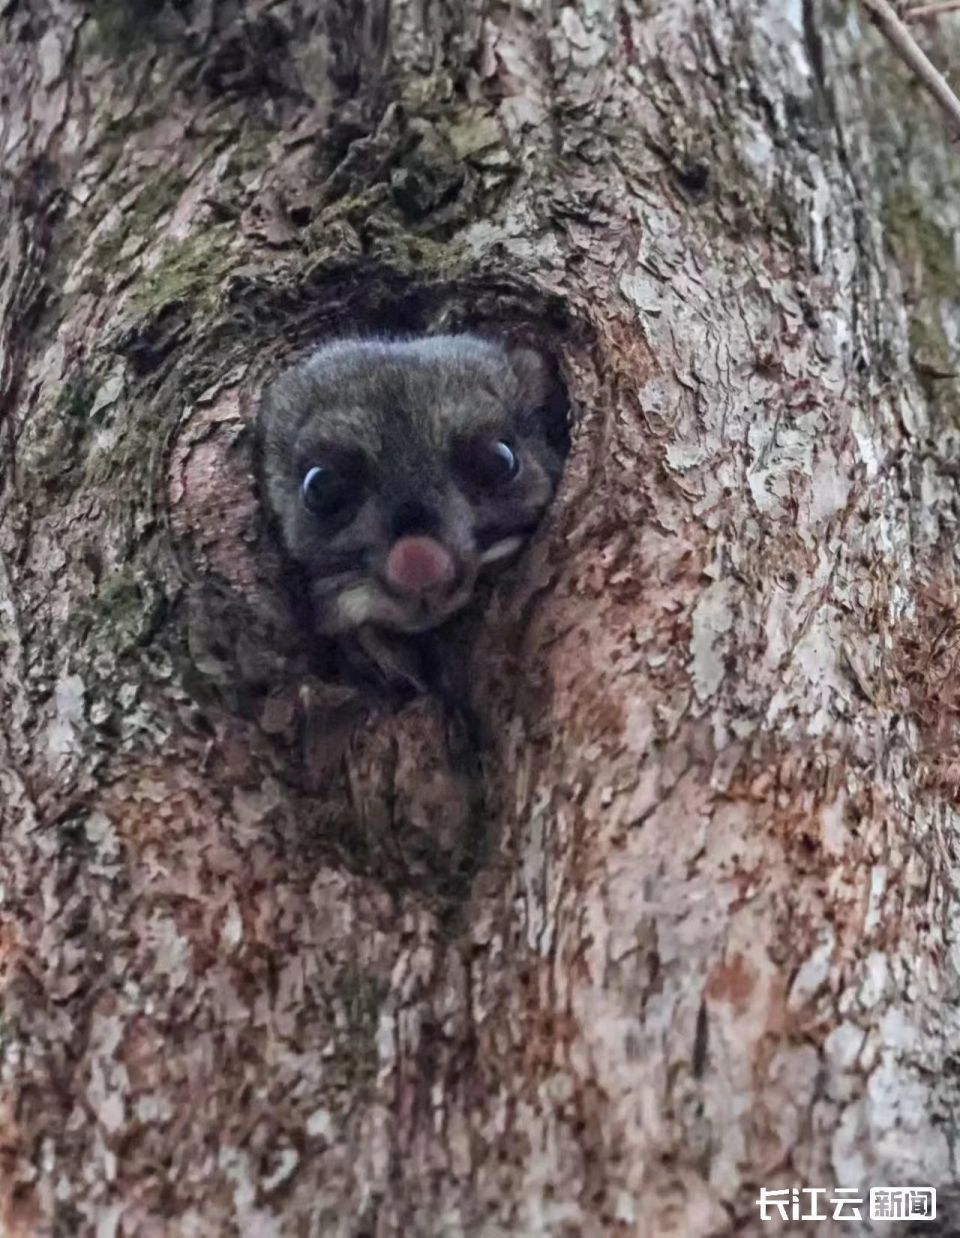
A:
(926, 667)
(732, 981)
(20, 1211)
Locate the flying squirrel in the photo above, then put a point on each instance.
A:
(397, 474)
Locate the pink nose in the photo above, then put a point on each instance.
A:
(419, 564)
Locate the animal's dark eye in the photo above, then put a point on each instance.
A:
(503, 460)
(325, 491)
(490, 463)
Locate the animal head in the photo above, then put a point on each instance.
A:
(398, 471)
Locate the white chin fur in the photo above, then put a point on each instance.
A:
(365, 603)
(354, 607)
(500, 550)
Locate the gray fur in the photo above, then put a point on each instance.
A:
(401, 408)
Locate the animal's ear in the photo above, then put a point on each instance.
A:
(542, 394)
(535, 374)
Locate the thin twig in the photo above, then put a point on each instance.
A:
(903, 43)
(930, 12)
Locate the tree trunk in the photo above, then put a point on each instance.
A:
(709, 943)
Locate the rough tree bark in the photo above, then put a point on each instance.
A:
(711, 940)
